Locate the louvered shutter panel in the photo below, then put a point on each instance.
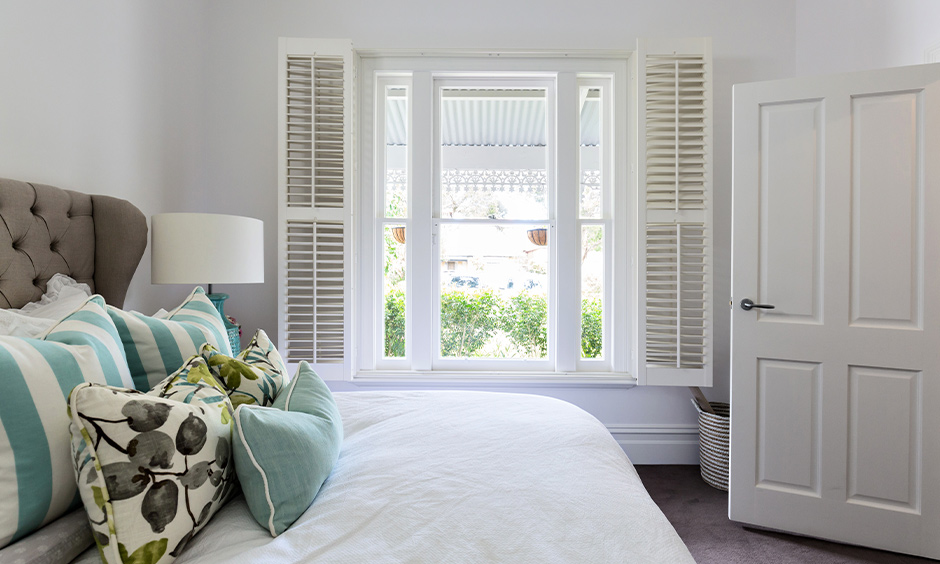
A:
(314, 190)
(674, 208)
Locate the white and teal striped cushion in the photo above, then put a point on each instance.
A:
(157, 348)
(37, 482)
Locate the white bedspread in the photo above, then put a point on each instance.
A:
(440, 477)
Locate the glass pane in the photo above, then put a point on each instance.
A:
(591, 150)
(494, 153)
(494, 291)
(393, 291)
(396, 151)
(592, 291)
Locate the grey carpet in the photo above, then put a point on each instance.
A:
(699, 513)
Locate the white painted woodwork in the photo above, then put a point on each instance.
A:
(836, 208)
(561, 77)
(790, 260)
(788, 455)
(886, 280)
(674, 213)
(314, 180)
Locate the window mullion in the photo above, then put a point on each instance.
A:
(421, 326)
(370, 334)
(567, 235)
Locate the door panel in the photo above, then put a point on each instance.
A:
(874, 392)
(887, 196)
(788, 455)
(836, 222)
(790, 268)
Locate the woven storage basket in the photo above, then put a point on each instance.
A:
(714, 430)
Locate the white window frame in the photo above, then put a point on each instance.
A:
(426, 73)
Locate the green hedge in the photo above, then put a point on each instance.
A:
(592, 328)
(470, 319)
(395, 324)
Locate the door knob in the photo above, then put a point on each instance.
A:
(747, 304)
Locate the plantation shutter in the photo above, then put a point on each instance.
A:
(315, 81)
(674, 207)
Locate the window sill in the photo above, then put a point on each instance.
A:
(446, 379)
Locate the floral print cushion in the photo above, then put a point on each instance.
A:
(254, 376)
(152, 468)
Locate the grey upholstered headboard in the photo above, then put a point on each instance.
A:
(97, 240)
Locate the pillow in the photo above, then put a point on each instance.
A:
(36, 482)
(255, 376)
(60, 288)
(63, 296)
(285, 453)
(157, 347)
(152, 468)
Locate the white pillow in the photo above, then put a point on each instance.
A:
(63, 296)
(59, 287)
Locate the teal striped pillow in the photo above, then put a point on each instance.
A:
(157, 348)
(37, 482)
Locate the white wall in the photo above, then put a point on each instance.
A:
(838, 36)
(171, 104)
(105, 97)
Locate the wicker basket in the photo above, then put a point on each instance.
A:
(714, 430)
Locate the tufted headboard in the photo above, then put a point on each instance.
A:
(97, 240)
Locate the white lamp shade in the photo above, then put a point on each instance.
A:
(206, 248)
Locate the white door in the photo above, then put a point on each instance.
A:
(835, 394)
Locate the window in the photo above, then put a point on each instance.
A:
(511, 217)
(491, 188)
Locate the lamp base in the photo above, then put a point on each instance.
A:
(218, 300)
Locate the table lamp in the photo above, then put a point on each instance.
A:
(207, 248)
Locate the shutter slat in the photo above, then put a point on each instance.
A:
(676, 295)
(315, 297)
(676, 109)
(314, 141)
(675, 226)
(316, 116)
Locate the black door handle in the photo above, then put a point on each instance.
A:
(747, 304)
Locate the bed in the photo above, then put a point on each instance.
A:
(422, 476)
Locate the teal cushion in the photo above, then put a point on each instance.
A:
(283, 454)
(37, 483)
(156, 347)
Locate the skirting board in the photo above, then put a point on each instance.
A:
(658, 444)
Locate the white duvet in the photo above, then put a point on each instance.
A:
(440, 477)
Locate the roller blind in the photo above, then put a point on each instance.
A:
(315, 81)
(674, 205)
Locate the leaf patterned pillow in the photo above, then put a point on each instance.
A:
(152, 468)
(254, 376)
